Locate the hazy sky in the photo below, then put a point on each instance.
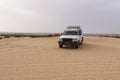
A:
(94, 16)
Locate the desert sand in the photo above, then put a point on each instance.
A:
(42, 59)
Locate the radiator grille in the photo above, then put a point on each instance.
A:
(67, 39)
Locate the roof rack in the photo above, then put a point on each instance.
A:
(73, 27)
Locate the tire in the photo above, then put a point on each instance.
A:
(60, 46)
(77, 46)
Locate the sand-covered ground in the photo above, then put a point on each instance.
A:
(42, 59)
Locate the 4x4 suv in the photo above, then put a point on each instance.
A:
(72, 36)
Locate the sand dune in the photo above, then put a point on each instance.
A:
(41, 59)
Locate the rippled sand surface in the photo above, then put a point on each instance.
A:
(42, 59)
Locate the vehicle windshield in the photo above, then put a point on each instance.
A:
(70, 33)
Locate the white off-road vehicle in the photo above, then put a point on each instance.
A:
(72, 36)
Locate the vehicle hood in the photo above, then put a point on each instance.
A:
(69, 36)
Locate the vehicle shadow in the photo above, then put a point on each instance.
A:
(71, 47)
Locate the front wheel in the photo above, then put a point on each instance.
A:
(77, 46)
(60, 46)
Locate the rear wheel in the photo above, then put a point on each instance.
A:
(82, 40)
(60, 46)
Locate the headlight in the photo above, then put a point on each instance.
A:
(60, 39)
(75, 39)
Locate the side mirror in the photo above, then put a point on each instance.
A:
(80, 34)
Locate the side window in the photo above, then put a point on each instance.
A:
(80, 32)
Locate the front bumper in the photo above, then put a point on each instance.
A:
(68, 43)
